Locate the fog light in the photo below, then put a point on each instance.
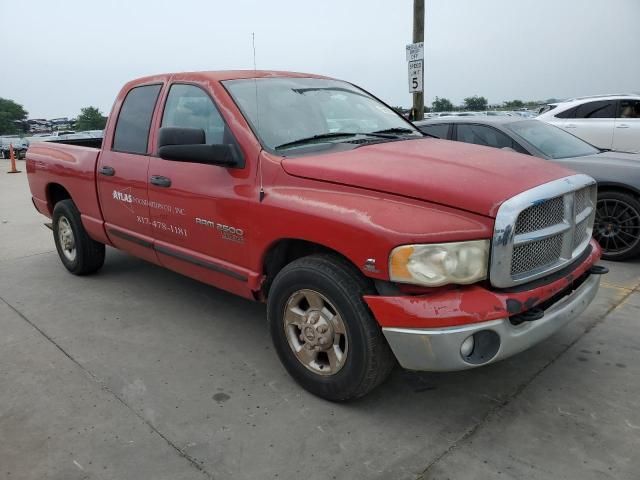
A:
(467, 346)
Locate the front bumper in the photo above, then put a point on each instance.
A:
(439, 349)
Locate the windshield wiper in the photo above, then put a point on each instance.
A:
(330, 135)
(405, 130)
(395, 130)
(302, 141)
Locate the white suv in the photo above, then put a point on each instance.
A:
(607, 121)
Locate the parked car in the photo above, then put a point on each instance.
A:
(617, 221)
(20, 147)
(605, 121)
(367, 245)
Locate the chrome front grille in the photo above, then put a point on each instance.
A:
(581, 233)
(532, 255)
(541, 230)
(540, 216)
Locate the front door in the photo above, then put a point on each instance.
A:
(122, 174)
(196, 209)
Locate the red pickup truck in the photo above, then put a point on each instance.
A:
(370, 242)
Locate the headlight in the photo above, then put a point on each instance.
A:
(440, 263)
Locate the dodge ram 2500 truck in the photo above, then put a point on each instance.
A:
(370, 242)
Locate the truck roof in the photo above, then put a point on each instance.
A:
(221, 75)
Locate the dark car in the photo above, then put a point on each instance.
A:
(617, 222)
(20, 147)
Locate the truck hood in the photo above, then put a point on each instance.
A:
(467, 177)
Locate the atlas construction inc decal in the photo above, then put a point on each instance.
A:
(128, 200)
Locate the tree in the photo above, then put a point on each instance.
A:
(475, 103)
(90, 118)
(11, 114)
(514, 104)
(441, 105)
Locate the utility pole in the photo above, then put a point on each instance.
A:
(418, 36)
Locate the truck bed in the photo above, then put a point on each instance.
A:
(52, 165)
(80, 142)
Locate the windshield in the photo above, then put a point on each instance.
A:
(283, 111)
(551, 141)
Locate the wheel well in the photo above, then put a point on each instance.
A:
(286, 251)
(618, 188)
(56, 193)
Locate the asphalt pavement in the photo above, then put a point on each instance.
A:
(140, 373)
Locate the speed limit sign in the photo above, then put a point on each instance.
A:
(415, 76)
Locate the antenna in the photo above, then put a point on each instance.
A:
(255, 83)
(253, 41)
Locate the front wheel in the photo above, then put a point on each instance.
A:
(80, 254)
(323, 331)
(617, 225)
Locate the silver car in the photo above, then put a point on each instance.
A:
(617, 223)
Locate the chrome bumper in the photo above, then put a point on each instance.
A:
(438, 349)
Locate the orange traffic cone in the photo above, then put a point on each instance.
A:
(12, 157)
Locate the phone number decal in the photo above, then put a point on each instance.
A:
(162, 226)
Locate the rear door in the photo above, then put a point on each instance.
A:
(626, 134)
(122, 174)
(593, 122)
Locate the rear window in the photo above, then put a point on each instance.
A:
(570, 113)
(546, 108)
(439, 130)
(483, 135)
(134, 121)
(599, 109)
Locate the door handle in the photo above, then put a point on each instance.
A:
(622, 125)
(107, 171)
(160, 181)
(570, 125)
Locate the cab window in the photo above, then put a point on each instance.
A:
(132, 130)
(190, 106)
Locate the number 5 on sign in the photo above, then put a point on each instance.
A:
(415, 76)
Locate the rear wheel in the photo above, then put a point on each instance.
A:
(323, 331)
(617, 225)
(79, 253)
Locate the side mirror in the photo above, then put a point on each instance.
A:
(188, 145)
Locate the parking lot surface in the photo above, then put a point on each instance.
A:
(138, 372)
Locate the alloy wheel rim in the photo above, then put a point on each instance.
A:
(66, 239)
(316, 333)
(617, 226)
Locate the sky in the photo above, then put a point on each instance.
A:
(65, 55)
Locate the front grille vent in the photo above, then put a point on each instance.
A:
(535, 236)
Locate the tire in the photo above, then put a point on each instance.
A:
(80, 254)
(336, 350)
(617, 225)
